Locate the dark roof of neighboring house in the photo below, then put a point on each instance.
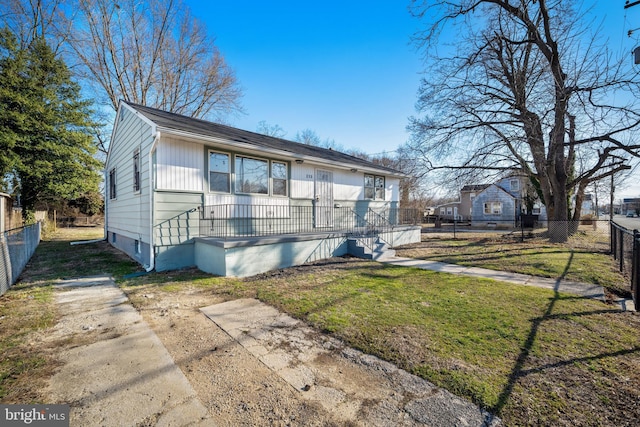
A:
(477, 187)
(179, 122)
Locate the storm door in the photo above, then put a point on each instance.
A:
(324, 199)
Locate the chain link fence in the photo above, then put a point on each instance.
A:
(590, 232)
(16, 248)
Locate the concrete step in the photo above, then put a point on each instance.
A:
(369, 248)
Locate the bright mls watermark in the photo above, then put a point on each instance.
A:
(34, 415)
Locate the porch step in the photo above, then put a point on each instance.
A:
(369, 248)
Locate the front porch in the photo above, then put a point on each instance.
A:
(244, 240)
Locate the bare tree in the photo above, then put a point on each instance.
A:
(527, 88)
(30, 19)
(153, 53)
(310, 137)
(270, 130)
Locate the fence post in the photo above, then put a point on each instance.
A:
(612, 239)
(621, 246)
(635, 270)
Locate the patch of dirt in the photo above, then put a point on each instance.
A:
(236, 388)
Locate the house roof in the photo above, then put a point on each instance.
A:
(499, 188)
(177, 122)
(477, 187)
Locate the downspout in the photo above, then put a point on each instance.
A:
(152, 251)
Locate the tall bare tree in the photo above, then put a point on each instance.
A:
(153, 53)
(32, 19)
(527, 87)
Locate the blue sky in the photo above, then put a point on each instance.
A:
(345, 69)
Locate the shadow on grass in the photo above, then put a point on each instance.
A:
(518, 370)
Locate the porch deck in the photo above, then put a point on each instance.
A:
(243, 240)
(250, 255)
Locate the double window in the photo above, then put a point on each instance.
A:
(250, 175)
(493, 208)
(374, 187)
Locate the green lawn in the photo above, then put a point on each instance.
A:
(581, 261)
(530, 355)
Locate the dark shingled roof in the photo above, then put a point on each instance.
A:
(477, 187)
(179, 122)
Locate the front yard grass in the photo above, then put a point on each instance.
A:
(28, 309)
(582, 260)
(532, 356)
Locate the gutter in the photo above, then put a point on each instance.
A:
(252, 147)
(152, 251)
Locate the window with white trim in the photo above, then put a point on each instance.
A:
(112, 183)
(252, 175)
(493, 208)
(219, 172)
(374, 187)
(514, 184)
(279, 178)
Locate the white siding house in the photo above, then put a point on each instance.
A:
(169, 177)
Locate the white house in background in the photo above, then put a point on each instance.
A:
(186, 192)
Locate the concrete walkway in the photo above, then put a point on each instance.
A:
(584, 289)
(356, 388)
(116, 371)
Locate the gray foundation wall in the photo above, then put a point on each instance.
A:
(128, 246)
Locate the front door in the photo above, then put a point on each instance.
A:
(324, 199)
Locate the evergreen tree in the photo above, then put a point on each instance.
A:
(46, 147)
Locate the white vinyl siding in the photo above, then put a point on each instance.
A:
(302, 181)
(179, 165)
(348, 185)
(129, 213)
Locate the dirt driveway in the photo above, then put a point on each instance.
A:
(250, 365)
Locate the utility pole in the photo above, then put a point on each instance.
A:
(611, 201)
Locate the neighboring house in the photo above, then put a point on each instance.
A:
(185, 192)
(449, 211)
(494, 206)
(505, 203)
(501, 203)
